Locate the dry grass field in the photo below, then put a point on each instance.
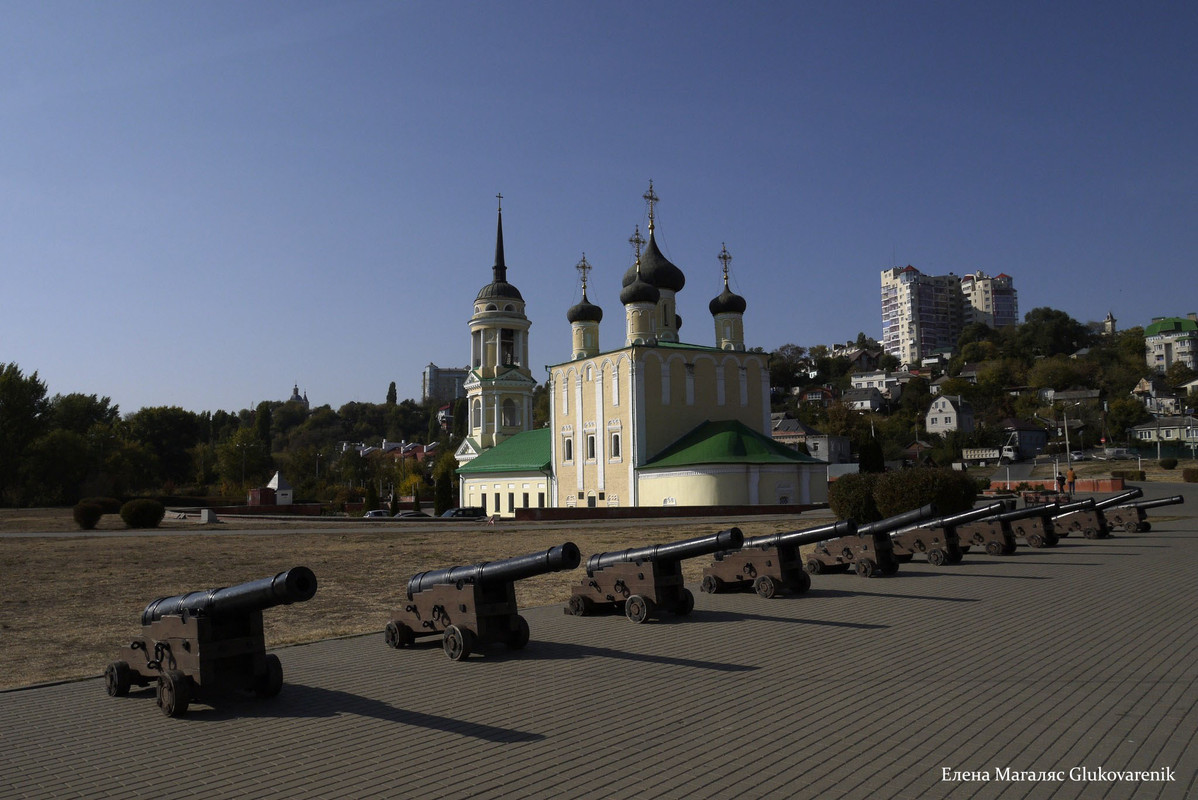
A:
(69, 602)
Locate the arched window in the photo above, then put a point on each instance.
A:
(476, 414)
(510, 418)
(568, 450)
(591, 445)
(615, 445)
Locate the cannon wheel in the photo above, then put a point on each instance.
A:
(458, 643)
(117, 679)
(174, 693)
(519, 636)
(711, 584)
(765, 586)
(994, 548)
(1131, 527)
(686, 603)
(270, 682)
(1035, 540)
(815, 566)
(965, 548)
(904, 558)
(937, 557)
(797, 582)
(579, 605)
(890, 567)
(637, 608)
(398, 635)
(866, 567)
(1145, 526)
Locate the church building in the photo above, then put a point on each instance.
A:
(657, 422)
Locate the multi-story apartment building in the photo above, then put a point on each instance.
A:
(925, 313)
(991, 301)
(920, 313)
(441, 384)
(1171, 339)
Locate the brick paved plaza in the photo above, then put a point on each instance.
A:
(1080, 658)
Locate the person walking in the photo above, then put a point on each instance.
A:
(1071, 481)
(1060, 483)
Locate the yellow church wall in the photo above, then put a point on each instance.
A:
(730, 484)
(511, 491)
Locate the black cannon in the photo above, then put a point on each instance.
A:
(643, 579)
(473, 604)
(1081, 516)
(939, 538)
(770, 563)
(869, 551)
(201, 644)
(1131, 516)
(1033, 524)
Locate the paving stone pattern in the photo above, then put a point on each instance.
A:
(1085, 655)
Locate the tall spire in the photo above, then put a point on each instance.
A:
(500, 268)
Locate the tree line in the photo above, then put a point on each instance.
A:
(57, 449)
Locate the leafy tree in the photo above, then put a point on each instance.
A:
(1047, 332)
(167, 432)
(1123, 413)
(788, 367)
(1178, 373)
(445, 482)
(262, 423)
(392, 395)
(54, 469)
(79, 412)
(23, 408)
(243, 461)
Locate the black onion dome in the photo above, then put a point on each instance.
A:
(657, 269)
(639, 291)
(728, 302)
(585, 311)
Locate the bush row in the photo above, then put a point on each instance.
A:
(1190, 474)
(1128, 474)
(867, 497)
(140, 513)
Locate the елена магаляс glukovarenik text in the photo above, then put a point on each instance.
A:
(1091, 774)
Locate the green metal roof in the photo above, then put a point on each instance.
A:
(524, 452)
(1171, 325)
(727, 442)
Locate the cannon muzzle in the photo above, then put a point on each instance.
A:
(1046, 510)
(293, 586)
(1158, 502)
(555, 559)
(731, 539)
(805, 536)
(897, 521)
(1119, 499)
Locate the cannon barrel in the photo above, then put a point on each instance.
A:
(1119, 499)
(1080, 505)
(897, 521)
(555, 559)
(804, 536)
(293, 586)
(1046, 510)
(950, 520)
(1157, 503)
(731, 539)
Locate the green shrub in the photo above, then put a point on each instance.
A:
(143, 513)
(108, 505)
(1128, 474)
(1168, 463)
(903, 490)
(1190, 474)
(87, 514)
(852, 497)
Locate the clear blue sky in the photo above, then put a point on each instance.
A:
(204, 203)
